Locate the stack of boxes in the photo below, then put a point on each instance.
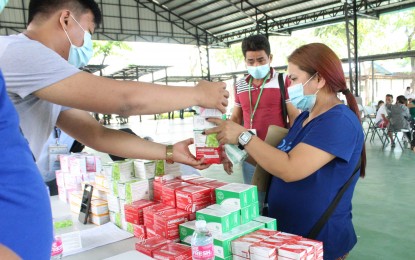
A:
(233, 216)
(266, 245)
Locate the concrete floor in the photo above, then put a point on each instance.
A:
(383, 203)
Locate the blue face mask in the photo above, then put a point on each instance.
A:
(298, 99)
(3, 4)
(258, 72)
(80, 56)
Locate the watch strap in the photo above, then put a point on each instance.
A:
(169, 154)
(242, 147)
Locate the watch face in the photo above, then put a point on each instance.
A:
(245, 137)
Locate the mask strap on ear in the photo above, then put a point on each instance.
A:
(68, 36)
(77, 22)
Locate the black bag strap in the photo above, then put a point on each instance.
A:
(325, 217)
(283, 104)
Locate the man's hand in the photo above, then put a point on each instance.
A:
(212, 95)
(182, 154)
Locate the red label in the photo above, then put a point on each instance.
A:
(203, 252)
(57, 248)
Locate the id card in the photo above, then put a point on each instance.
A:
(54, 151)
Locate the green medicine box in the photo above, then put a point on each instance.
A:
(218, 221)
(222, 243)
(270, 223)
(186, 232)
(235, 218)
(236, 195)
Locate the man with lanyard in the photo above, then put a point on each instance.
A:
(258, 101)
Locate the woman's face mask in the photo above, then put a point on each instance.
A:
(298, 99)
(3, 4)
(80, 56)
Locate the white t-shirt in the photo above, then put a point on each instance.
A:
(381, 110)
(27, 67)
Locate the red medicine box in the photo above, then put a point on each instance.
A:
(148, 213)
(148, 246)
(212, 185)
(157, 188)
(166, 223)
(168, 196)
(134, 211)
(193, 198)
(173, 251)
(139, 232)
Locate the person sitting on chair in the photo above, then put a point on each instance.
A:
(398, 115)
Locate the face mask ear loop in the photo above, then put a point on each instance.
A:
(77, 22)
(67, 36)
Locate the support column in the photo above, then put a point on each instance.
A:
(351, 33)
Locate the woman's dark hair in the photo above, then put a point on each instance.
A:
(319, 58)
(401, 99)
(256, 43)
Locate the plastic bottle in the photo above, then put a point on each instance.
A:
(202, 242)
(57, 248)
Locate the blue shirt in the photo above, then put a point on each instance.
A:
(26, 218)
(298, 205)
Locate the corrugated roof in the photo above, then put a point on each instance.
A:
(209, 22)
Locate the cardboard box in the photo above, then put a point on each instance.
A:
(217, 221)
(212, 185)
(99, 219)
(236, 195)
(168, 196)
(192, 198)
(186, 231)
(235, 218)
(144, 169)
(166, 223)
(134, 211)
(133, 190)
(122, 171)
(148, 246)
(270, 223)
(293, 251)
(148, 213)
(173, 251)
(241, 246)
(222, 243)
(207, 146)
(200, 181)
(139, 232)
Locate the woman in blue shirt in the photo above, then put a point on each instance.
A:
(318, 155)
(26, 217)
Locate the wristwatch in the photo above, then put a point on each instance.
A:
(244, 139)
(169, 154)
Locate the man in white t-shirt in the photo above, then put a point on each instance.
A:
(40, 68)
(381, 119)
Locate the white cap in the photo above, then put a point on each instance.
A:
(200, 224)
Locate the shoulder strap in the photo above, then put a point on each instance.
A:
(283, 104)
(325, 217)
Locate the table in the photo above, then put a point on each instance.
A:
(118, 250)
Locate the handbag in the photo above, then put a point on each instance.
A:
(325, 217)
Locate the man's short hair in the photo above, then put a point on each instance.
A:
(389, 95)
(256, 43)
(47, 7)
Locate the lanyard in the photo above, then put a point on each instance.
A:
(257, 101)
